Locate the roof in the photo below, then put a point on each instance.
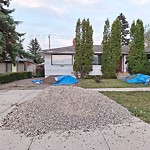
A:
(96, 48)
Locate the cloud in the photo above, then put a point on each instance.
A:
(42, 4)
(140, 2)
(28, 3)
(81, 1)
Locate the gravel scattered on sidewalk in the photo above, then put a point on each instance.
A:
(65, 108)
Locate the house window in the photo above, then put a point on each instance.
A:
(61, 59)
(96, 60)
(8, 67)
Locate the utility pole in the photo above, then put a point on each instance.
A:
(49, 37)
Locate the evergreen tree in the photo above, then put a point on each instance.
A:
(78, 56)
(34, 48)
(83, 49)
(10, 45)
(137, 55)
(124, 30)
(106, 56)
(115, 47)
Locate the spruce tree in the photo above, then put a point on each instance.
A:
(34, 49)
(10, 45)
(106, 56)
(137, 55)
(115, 47)
(83, 49)
(124, 30)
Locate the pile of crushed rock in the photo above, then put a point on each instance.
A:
(65, 108)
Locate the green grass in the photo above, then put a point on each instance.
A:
(108, 83)
(138, 103)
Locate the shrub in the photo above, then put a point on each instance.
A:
(37, 75)
(146, 69)
(13, 76)
(97, 79)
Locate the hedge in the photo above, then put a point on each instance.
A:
(13, 76)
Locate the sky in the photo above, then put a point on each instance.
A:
(57, 18)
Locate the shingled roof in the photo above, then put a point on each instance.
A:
(96, 48)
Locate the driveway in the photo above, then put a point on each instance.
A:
(135, 135)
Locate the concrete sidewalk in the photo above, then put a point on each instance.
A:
(133, 136)
(121, 89)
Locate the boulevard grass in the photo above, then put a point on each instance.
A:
(138, 103)
(107, 83)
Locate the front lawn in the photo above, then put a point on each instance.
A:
(108, 83)
(138, 103)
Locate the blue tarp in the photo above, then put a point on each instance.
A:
(65, 80)
(137, 78)
(37, 81)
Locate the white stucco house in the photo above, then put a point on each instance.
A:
(59, 61)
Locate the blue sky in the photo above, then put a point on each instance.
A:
(58, 18)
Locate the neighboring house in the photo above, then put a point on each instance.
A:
(22, 64)
(59, 61)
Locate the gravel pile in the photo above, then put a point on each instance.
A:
(65, 108)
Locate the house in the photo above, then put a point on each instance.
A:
(59, 61)
(22, 64)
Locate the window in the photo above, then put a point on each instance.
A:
(61, 59)
(96, 60)
(8, 67)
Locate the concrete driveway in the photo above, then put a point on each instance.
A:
(133, 136)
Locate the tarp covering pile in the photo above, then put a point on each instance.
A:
(65, 80)
(137, 79)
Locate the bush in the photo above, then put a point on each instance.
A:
(97, 79)
(37, 75)
(146, 69)
(13, 76)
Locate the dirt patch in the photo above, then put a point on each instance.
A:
(25, 84)
(49, 80)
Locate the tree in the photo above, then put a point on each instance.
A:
(83, 48)
(147, 35)
(137, 55)
(106, 56)
(124, 30)
(115, 47)
(10, 45)
(34, 48)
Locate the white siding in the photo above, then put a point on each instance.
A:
(14, 68)
(124, 65)
(96, 70)
(2, 67)
(20, 67)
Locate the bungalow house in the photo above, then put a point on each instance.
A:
(59, 61)
(22, 64)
